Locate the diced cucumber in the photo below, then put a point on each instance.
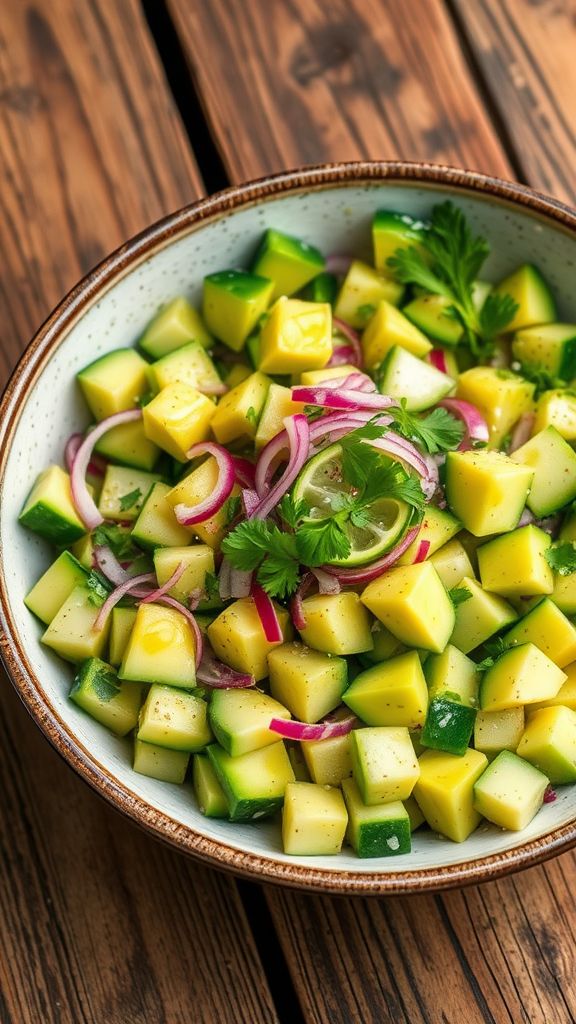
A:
(437, 527)
(392, 693)
(298, 762)
(233, 303)
(448, 726)
(309, 683)
(412, 603)
(175, 325)
(198, 560)
(549, 629)
(124, 491)
(429, 314)
(55, 586)
(554, 464)
(510, 792)
(156, 525)
(97, 690)
(323, 288)
(361, 291)
(522, 675)
(384, 764)
(160, 763)
(387, 328)
(190, 365)
(175, 719)
(336, 624)
(287, 261)
(548, 347)
(392, 231)
(254, 783)
(404, 376)
(515, 565)
(277, 405)
(479, 617)
(452, 563)
(122, 624)
(161, 648)
(445, 791)
(210, 796)
(127, 444)
(557, 408)
(241, 718)
(381, 830)
(486, 490)
(549, 743)
(498, 730)
(49, 510)
(114, 382)
(314, 820)
(238, 412)
(529, 290)
(71, 633)
(328, 761)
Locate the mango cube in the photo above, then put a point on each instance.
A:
(309, 683)
(238, 412)
(233, 303)
(161, 648)
(196, 487)
(510, 792)
(296, 336)
(445, 791)
(380, 830)
(384, 764)
(361, 291)
(238, 638)
(329, 761)
(548, 628)
(479, 617)
(486, 490)
(277, 406)
(522, 675)
(177, 418)
(389, 327)
(392, 693)
(71, 632)
(498, 730)
(314, 820)
(549, 743)
(515, 565)
(413, 604)
(197, 559)
(452, 563)
(566, 695)
(336, 624)
(501, 396)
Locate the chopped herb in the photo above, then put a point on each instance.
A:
(232, 508)
(128, 501)
(292, 511)
(117, 539)
(438, 431)
(98, 586)
(252, 416)
(562, 558)
(494, 649)
(211, 587)
(366, 311)
(105, 684)
(458, 595)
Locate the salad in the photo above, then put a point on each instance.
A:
(317, 551)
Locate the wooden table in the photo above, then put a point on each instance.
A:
(112, 113)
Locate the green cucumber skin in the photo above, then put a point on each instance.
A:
(48, 524)
(453, 737)
(374, 838)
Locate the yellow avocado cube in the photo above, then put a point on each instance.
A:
(498, 730)
(549, 743)
(309, 683)
(161, 648)
(314, 820)
(198, 560)
(522, 675)
(123, 492)
(336, 624)
(564, 593)
(500, 395)
(176, 324)
(277, 406)
(384, 763)
(413, 604)
(392, 693)
(414, 813)
(238, 638)
(445, 791)
(566, 696)
(238, 412)
(479, 617)
(233, 302)
(486, 490)
(114, 382)
(510, 792)
(71, 633)
(515, 565)
(557, 409)
(196, 487)
(436, 528)
(296, 336)
(177, 418)
(548, 628)
(452, 563)
(361, 291)
(329, 761)
(387, 328)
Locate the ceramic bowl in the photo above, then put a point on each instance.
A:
(332, 207)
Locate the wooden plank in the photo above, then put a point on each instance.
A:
(525, 50)
(97, 921)
(310, 80)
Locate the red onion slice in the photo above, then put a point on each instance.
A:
(338, 263)
(298, 433)
(171, 602)
(437, 358)
(327, 584)
(550, 794)
(352, 337)
(476, 426)
(350, 382)
(303, 731)
(522, 431)
(131, 585)
(245, 471)
(240, 583)
(161, 591)
(296, 607)
(188, 515)
(399, 448)
(218, 676)
(224, 580)
(349, 400)
(110, 567)
(267, 614)
(250, 501)
(343, 355)
(422, 552)
(83, 502)
(371, 572)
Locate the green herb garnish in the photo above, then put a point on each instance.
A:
(438, 431)
(458, 595)
(127, 501)
(562, 558)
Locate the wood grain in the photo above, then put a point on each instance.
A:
(303, 81)
(526, 52)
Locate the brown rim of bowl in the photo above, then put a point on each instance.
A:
(28, 686)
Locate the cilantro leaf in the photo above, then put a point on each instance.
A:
(118, 539)
(496, 313)
(322, 541)
(232, 507)
(127, 501)
(293, 510)
(248, 543)
(279, 575)
(98, 586)
(211, 587)
(438, 431)
(458, 595)
(252, 416)
(562, 558)
(494, 649)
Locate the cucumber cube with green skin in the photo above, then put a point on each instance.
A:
(114, 382)
(452, 563)
(210, 796)
(323, 288)
(361, 291)
(486, 490)
(510, 792)
(49, 510)
(309, 683)
(514, 565)
(173, 718)
(393, 693)
(404, 376)
(429, 314)
(127, 444)
(392, 231)
(254, 783)
(161, 648)
(522, 675)
(287, 261)
(97, 690)
(160, 763)
(233, 302)
(548, 347)
(437, 528)
(553, 462)
(549, 629)
(173, 327)
(549, 743)
(55, 586)
(328, 761)
(385, 766)
(123, 492)
(190, 365)
(479, 617)
(71, 633)
(381, 830)
(557, 408)
(297, 760)
(529, 290)
(122, 624)
(386, 646)
(566, 696)
(498, 730)
(448, 726)
(156, 525)
(314, 820)
(453, 676)
(240, 719)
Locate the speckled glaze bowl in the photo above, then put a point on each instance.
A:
(332, 207)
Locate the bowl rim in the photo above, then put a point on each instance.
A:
(88, 290)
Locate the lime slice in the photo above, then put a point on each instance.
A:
(322, 486)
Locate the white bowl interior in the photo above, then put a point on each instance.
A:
(337, 219)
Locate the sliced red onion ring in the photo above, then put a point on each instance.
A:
(343, 355)
(303, 731)
(526, 518)
(110, 567)
(224, 580)
(267, 613)
(338, 263)
(522, 431)
(346, 399)
(371, 572)
(422, 552)
(245, 471)
(218, 676)
(351, 336)
(327, 584)
(131, 585)
(298, 433)
(188, 515)
(437, 358)
(296, 607)
(240, 583)
(350, 382)
(72, 445)
(161, 591)
(476, 426)
(399, 448)
(550, 794)
(250, 501)
(83, 502)
(171, 602)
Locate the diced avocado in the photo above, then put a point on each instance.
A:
(486, 490)
(448, 725)
(381, 830)
(429, 314)
(437, 527)
(233, 303)
(174, 326)
(413, 604)
(393, 693)
(498, 730)
(328, 761)
(156, 525)
(322, 288)
(522, 675)
(122, 624)
(189, 365)
(384, 764)
(173, 718)
(198, 560)
(445, 791)
(510, 792)
(241, 719)
(515, 564)
(71, 633)
(114, 382)
(414, 813)
(97, 690)
(210, 796)
(254, 783)
(127, 444)
(500, 395)
(451, 674)
(161, 648)
(238, 638)
(387, 328)
(287, 261)
(361, 291)
(336, 623)
(404, 376)
(553, 462)
(392, 231)
(296, 336)
(124, 491)
(452, 563)
(309, 683)
(549, 629)
(529, 290)
(55, 586)
(549, 743)
(479, 617)
(160, 763)
(314, 820)
(197, 486)
(49, 510)
(548, 347)
(564, 593)
(238, 412)
(566, 695)
(557, 408)
(179, 417)
(277, 405)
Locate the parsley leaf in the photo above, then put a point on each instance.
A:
(322, 541)
(211, 587)
(439, 431)
(458, 595)
(373, 475)
(129, 500)
(562, 558)
(232, 508)
(257, 544)
(279, 576)
(98, 586)
(292, 511)
(117, 539)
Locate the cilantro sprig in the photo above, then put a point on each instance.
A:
(562, 558)
(438, 431)
(127, 501)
